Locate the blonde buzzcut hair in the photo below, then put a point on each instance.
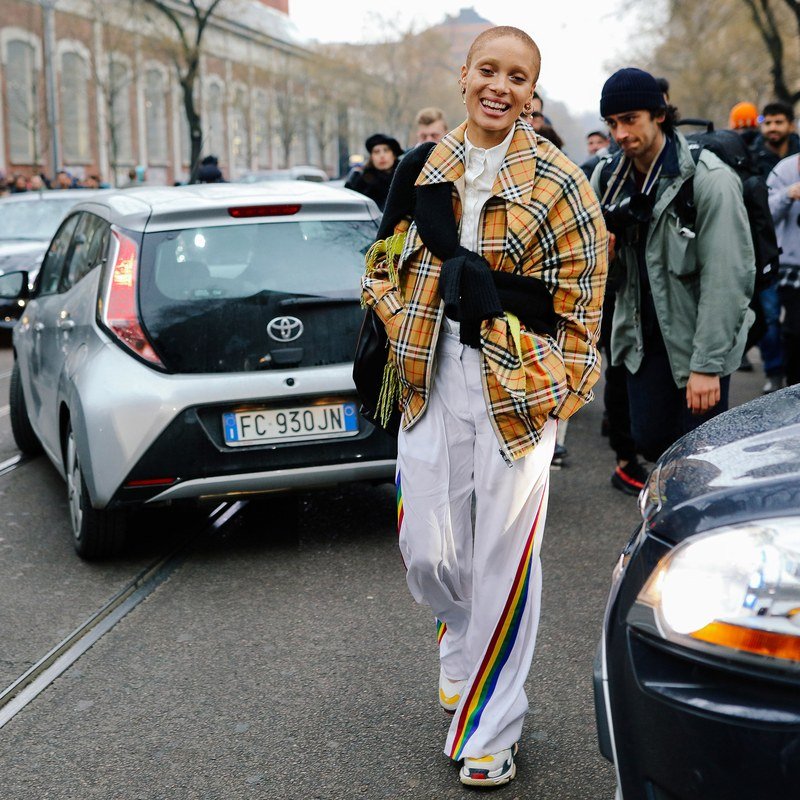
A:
(490, 34)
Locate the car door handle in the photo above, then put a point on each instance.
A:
(38, 327)
(66, 324)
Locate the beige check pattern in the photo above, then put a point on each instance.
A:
(542, 220)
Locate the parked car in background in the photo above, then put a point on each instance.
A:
(27, 223)
(195, 341)
(697, 679)
(300, 173)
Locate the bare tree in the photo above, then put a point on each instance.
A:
(186, 59)
(712, 52)
(324, 75)
(403, 71)
(776, 37)
(289, 108)
(112, 83)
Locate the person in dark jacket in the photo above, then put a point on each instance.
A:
(778, 138)
(374, 180)
(209, 171)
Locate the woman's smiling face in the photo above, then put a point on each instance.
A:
(497, 83)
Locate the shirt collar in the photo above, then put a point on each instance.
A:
(494, 155)
(517, 173)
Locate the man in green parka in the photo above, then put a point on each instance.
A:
(686, 274)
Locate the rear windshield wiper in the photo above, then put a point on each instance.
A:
(317, 300)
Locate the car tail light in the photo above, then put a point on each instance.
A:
(118, 310)
(244, 212)
(148, 482)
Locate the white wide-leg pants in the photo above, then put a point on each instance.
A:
(483, 586)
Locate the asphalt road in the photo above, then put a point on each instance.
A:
(302, 671)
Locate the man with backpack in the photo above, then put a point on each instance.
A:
(685, 264)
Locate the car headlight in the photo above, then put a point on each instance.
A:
(736, 588)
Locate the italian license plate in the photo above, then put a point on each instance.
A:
(266, 425)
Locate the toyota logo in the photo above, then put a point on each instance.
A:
(285, 329)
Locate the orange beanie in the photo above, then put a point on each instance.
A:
(743, 115)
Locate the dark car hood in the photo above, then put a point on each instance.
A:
(744, 464)
(22, 254)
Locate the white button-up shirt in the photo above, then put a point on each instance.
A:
(482, 166)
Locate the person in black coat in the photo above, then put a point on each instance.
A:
(374, 180)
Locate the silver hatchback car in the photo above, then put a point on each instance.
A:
(195, 342)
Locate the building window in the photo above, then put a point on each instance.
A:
(155, 116)
(22, 82)
(119, 121)
(215, 136)
(74, 107)
(241, 143)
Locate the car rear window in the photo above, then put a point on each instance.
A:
(32, 219)
(301, 257)
(212, 298)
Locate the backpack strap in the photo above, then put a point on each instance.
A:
(609, 163)
(687, 211)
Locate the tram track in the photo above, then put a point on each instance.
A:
(22, 691)
(10, 464)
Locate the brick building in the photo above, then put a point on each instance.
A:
(90, 86)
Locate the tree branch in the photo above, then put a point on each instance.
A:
(764, 19)
(794, 7)
(173, 18)
(202, 21)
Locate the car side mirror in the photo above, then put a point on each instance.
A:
(14, 286)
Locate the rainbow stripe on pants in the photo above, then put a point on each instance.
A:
(497, 652)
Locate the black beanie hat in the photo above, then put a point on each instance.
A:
(382, 138)
(630, 89)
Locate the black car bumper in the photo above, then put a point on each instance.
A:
(191, 459)
(682, 725)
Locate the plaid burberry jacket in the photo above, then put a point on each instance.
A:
(542, 220)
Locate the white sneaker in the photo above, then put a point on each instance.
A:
(449, 692)
(489, 771)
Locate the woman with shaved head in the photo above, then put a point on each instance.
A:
(491, 307)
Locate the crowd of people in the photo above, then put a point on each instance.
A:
(771, 139)
(208, 171)
(17, 183)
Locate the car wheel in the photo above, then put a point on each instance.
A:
(96, 533)
(21, 428)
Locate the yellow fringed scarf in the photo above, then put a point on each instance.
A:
(386, 253)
